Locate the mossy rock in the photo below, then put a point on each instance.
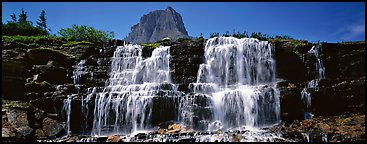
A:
(40, 56)
(38, 86)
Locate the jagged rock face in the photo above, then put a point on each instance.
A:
(157, 25)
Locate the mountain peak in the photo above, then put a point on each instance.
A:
(169, 8)
(157, 25)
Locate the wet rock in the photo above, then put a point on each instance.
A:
(17, 118)
(235, 138)
(113, 138)
(51, 127)
(141, 136)
(174, 128)
(40, 134)
(25, 131)
(7, 132)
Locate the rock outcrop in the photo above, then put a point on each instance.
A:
(157, 25)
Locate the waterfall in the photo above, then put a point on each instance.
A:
(67, 107)
(125, 105)
(238, 78)
(312, 85)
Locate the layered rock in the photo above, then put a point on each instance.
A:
(157, 25)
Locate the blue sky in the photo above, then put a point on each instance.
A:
(312, 21)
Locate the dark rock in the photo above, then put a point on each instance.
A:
(14, 71)
(19, 120)
(157, 25)
(41, 56)
(290, 101)
(289, 65)
(51, 127)
(344, 60)
(50, 73)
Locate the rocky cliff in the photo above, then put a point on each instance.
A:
(41, 79)
(157, 25)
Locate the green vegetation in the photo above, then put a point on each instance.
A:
(22, 26)
(34, 41)
(75, 43)
(152, 45)
(258, 35)
(20, 33)
(8, 104)
(85, 33)
(165, 42)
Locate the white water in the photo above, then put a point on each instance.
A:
(238, 76)
(126, 103)
(313, 84)
(67, 109)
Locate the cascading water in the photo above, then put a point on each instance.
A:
(77, 73)
(238, 77)
(312, 85)
(125, 105)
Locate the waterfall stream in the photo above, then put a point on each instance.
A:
(126, 103)
(238, 80)
(312, 85)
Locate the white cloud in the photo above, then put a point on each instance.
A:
(353, 31)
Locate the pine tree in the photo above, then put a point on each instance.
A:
(23, 17)
(41, 22)
(13, 18)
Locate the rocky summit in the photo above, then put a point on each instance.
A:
(158, 25)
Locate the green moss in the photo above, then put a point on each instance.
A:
(75, 43)
(151, 45)
(9, 104)
(52, 50)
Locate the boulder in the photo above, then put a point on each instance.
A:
(19, 120)
(40, 134)
(7, 132)
(113, 138)
(51, 127)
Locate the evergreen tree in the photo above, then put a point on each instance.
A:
(22, 17)
(13, 18)
(41, 22)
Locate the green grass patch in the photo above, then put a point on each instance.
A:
(151, 45)
(75, 43)
(8, 104)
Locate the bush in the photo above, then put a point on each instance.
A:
(33, 41)
(85, 33)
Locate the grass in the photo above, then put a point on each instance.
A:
(151, 45)
(8, 104)
(75, 43)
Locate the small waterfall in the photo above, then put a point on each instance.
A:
(67, 109)
(312, 85)
(125, 105)
(238, 79)
(77, 73)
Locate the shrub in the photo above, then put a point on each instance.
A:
(85, 33)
